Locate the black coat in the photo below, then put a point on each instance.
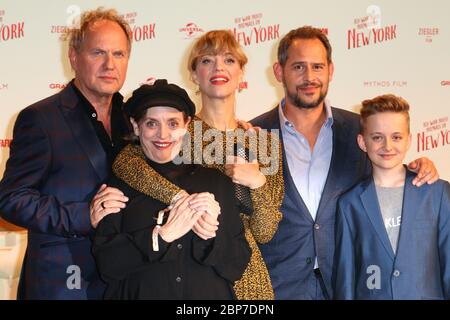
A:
(187, 268)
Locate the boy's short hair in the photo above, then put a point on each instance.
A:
(383, 103)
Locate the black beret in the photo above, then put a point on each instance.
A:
(160, 94)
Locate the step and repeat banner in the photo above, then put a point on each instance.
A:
(385, 46)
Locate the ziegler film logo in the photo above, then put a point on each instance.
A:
(3, 86)
(368, 30)
(5, 143)
(191, 30)
(72, 21)
(445, 83)
(434, 134)
(10, 31)
(428, 33)
(248, 29)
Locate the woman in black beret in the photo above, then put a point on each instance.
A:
(216, 64)
(149, 250)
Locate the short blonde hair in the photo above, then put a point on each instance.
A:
(383, 103)
(216, 42)
(76, 36)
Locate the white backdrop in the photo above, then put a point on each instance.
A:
(399, 47)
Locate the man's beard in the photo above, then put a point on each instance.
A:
(297, 101)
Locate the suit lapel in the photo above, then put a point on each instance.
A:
(369, 201)
(337, 166)
(411, 196)
(83, 132)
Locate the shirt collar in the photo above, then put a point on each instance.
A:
(289, 126)
(117, 102)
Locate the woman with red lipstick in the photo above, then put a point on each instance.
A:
(216, 64)
(148, 251)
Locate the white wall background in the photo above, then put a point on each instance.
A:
(411, 60)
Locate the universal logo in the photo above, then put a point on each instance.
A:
(191, 30)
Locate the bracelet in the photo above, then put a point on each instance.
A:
(161, 214)
(177, 197)
(155, 235)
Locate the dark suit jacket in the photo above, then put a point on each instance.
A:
(55, 167)
(290, 254)
(366, 266)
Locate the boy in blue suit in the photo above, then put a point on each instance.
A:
(392, 239)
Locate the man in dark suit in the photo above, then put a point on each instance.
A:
(321, 160)
(62, 151)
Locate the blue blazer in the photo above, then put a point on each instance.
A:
(366, 266)
(55, 167)
(290, 254)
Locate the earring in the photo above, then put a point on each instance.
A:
(197, 92)
(242, 85)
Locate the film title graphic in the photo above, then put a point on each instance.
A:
(140, 32)
(249, 30)
(435, 133)
(10, 31)
(367, 30)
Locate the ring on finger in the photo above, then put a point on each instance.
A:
(102, 204)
